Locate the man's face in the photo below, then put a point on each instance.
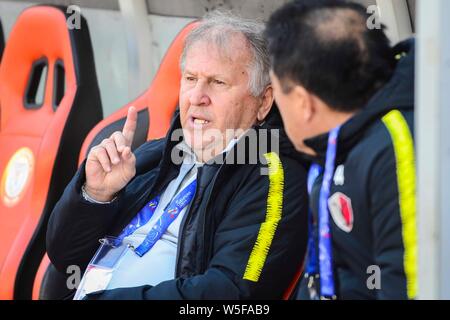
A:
(214, 94)
(294, 114)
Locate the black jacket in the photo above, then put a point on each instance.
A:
(372, 194)
(241, 225)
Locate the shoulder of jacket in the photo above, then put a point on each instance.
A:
(379, 136)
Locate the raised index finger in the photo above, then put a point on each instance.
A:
(130, 125)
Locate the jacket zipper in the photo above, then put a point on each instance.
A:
(183, 224)
(206, 243)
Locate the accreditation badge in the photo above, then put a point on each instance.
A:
(101, 269)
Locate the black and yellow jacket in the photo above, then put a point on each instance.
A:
(372, 198)
(244, 236)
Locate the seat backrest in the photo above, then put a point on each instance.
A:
(156, 107)
(49, 100)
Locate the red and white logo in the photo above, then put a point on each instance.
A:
(341, 210)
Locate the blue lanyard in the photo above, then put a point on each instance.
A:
(311, 267)
(169, 215)
(325, 267)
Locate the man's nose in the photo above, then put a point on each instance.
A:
(198, 95)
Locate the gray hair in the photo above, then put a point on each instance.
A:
(218, 27)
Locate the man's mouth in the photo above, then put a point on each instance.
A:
(198, 122)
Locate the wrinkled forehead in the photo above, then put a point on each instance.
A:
(232, 47)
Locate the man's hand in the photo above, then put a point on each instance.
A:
(111, 164)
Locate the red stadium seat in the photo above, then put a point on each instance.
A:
(49, 101)
(156, 108)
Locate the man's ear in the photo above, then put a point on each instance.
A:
(266, 104)
(304, 102)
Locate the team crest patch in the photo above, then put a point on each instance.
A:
(341, 210)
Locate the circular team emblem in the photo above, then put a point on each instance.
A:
(17, 176)
(341, 210)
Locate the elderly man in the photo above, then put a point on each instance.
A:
(347, 100)
(196, 224)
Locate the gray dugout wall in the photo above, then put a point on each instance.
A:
(130, 37)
